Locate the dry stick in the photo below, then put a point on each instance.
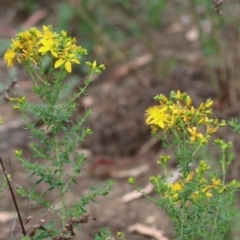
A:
(13, 197)
(8, 89)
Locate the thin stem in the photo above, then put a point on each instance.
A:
(13, 198)
(223, 162)
(60, 198)
(183, 214)
(215, 223)
(43, 81)
(60, 174)
(168, 187)
(33, 78)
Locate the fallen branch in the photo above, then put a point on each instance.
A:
(134, 194)
(147, 231)
(125, 69)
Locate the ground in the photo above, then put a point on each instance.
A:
(121, 143)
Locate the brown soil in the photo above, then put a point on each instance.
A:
(121, 139)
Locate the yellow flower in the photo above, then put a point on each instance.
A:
(19, 100)
(203, 166)
(200, 194)
(67, 60)
(208, 194)
(179, 95)
(17, 44)
(195, 195)
(49, 45)
(196, 135)
(211, 129)
(176, 187)
(163, 98)
(190, 177)
(35, 32)
(174, 190)
(188, 101)
(9, 57)
(49, 41)
(30, 47)
(48, 33)
(18, 153)
(216, 182)
(193, 131)
(163, 160)
(156, 116)
(208, 104)
(222, 189)
(120, 235)
(234, 184)
(175, 197)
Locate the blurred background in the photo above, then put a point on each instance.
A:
(148, 47)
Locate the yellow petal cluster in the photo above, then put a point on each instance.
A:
(32, 46)
(200, 187)
(177, 114)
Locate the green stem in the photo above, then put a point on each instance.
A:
(183, 216)
(168, 186)
(82, 90)
(35, 72)
(60, 174)
(223, 162)
(215, 223)
(62, 194)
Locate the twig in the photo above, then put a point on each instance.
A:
(217, 4)
(146, 146)
(8, 89)
(125, 69)
(35, 18)
(13, 125)
(134, 194)
(13, 198)
(147, 231)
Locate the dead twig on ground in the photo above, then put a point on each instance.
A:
(147, 231)
(7, 90)
(125, 69)
(15, 124)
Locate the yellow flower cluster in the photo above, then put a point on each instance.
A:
(177, 113)
(196, 186)
(19, 101)
(32, 46)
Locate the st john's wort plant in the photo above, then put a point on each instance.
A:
(48, 57)
(200, 202)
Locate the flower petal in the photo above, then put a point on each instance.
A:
(68, 66)
(58, 63)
